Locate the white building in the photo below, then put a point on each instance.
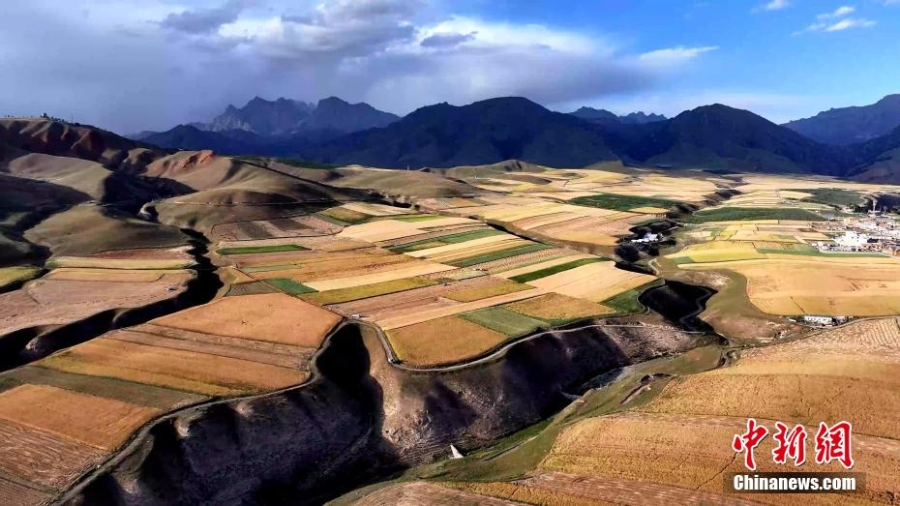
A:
(819, 320)
(852, 239)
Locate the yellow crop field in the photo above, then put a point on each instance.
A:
(554, 306)
(413, 270)
(273, 317)
(719, 251)
(192, 371)
(792, 285)
(96, 421)
(501, 287)
(361, 292)
(10, 275)
(442, 340)
(594, 282)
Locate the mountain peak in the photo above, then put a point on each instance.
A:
(849, 125)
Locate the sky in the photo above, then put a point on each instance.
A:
(131, 65)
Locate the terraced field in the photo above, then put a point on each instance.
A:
(784, 271)
(423, 277)
(68, 412)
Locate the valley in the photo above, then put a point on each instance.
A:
(249, 329)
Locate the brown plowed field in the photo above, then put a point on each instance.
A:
(40, 457)
(14, 494)
(219, 350)
(56, 302)
(274, 317)
(96, 421)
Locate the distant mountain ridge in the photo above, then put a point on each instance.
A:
(439, 136)
(850, 125)
(261, 123)
(485, 132)
(603, 116)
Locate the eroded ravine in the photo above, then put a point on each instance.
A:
(358, 420)
(27, 345)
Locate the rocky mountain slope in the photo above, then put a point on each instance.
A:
(851, 125)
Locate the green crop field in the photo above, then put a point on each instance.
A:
(497, 255)
(343, 216)
(621, 202)
(549, 271)
(366, 291)
(470, 235)
(504, 321)
(834, 197)
(290, 286)
(753, 214)
(261, 249)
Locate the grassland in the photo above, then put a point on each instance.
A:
(510, 323)
(622, 202)
(835, 197)
(261, 249)
(290, 286)
(753, 214)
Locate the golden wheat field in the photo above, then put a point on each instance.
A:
(794, 286)
(442, 340)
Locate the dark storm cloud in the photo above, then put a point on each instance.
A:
(205, 21)
(447, 39)
(121, 69)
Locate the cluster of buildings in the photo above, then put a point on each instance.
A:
(872, 233)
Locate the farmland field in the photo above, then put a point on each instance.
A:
(511, 323)
(753, 214)
(442, 340)
(793, 286)
(554, 307)
(269, 317)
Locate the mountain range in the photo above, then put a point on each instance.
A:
(851, 125)
(442, 135)
(603, 116)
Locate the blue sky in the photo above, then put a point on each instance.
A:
(150, 64)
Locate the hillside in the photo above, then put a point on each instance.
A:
(851, 125)
(718, 136)
(602, 116)
(481, 133)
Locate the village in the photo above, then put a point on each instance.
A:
(873, 232)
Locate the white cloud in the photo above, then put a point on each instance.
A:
(774, 5)
(675, 55)
(175, 61)
(844, 10)
(837, 21)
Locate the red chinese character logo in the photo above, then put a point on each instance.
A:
(749, 440)
(790, 445)
(833, 443)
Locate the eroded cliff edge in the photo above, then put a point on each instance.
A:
(359, 419)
